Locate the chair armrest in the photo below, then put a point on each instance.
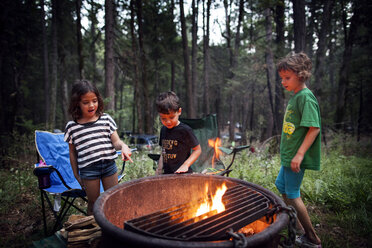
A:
(234, 151)
(121, 173)
(229, 151)
(240, 148)
(43, 174)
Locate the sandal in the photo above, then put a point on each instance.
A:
(303, 241)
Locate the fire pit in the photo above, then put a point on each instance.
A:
(160, 212)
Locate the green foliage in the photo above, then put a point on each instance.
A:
(342, 186)
(142, 166)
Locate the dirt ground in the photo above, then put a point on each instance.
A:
(20, 227)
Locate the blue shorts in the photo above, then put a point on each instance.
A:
(98, 170)
(289, 182)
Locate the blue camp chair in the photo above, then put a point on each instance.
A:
(57, 177)
(204, 129)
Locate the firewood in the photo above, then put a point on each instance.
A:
(84, 238)
(74, 224)
(83, 232)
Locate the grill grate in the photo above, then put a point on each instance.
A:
(243, 206)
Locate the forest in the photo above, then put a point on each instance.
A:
(219, 56)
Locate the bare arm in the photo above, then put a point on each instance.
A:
(74, 165)
(193, 157)
(308, 141)
(120, 145)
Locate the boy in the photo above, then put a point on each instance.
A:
(176, 138)
(300, 140)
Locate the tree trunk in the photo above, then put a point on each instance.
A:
(46, 65)
(53, 88)
(136, 97)
(173, 70)
(194, 51)
(345, 67)
(252, 113)
(79, 39)
(311, 28)
(109, 54)
(65, 101)
(299, 25)
(93, 37)
(189, 94)
(234, 53)
(206, 68)
(270, 74)
(361, 109)
(228, 38)
(280, 48)
(322, 45)
(145, 90)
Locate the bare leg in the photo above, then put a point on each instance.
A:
(304, 219)
(110, 181)
(299, 227)
(92, 190)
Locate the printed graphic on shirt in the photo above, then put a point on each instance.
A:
(288, 127)
(169, 145)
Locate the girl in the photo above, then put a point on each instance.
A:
(92, 139)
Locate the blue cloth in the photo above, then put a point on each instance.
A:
(289, 182)
(55, 151)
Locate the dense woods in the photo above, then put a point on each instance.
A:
(218, 56)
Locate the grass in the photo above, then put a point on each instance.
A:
(338, 198)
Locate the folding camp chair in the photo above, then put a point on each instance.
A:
(57, 177)
(204, 129)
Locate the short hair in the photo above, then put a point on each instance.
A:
(299, 63)
(167, 102)
(81, 87)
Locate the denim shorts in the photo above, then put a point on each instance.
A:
(98, 170)
(289, 182)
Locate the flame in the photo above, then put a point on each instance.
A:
(215, 144)
(256, 226)
(214, 204)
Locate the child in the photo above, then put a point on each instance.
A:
(300, 141)
(176, 138)
(92, 139)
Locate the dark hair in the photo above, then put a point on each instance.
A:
(167, 101)
(80, 88)
(299, 63)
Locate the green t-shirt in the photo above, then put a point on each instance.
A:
(302, 112)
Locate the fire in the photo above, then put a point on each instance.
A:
(215, 144)
(256, 227)
(214, 204)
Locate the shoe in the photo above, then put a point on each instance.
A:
(303, 242)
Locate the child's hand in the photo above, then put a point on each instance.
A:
(296, 162)
(184, 168)
(126, 153)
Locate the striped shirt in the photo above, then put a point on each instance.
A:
(92, 140)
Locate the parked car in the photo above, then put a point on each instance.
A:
(143, 141)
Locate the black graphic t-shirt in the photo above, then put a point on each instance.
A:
(176, 144)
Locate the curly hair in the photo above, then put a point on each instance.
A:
(81, 87)
(299, 63)
(167, 101)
